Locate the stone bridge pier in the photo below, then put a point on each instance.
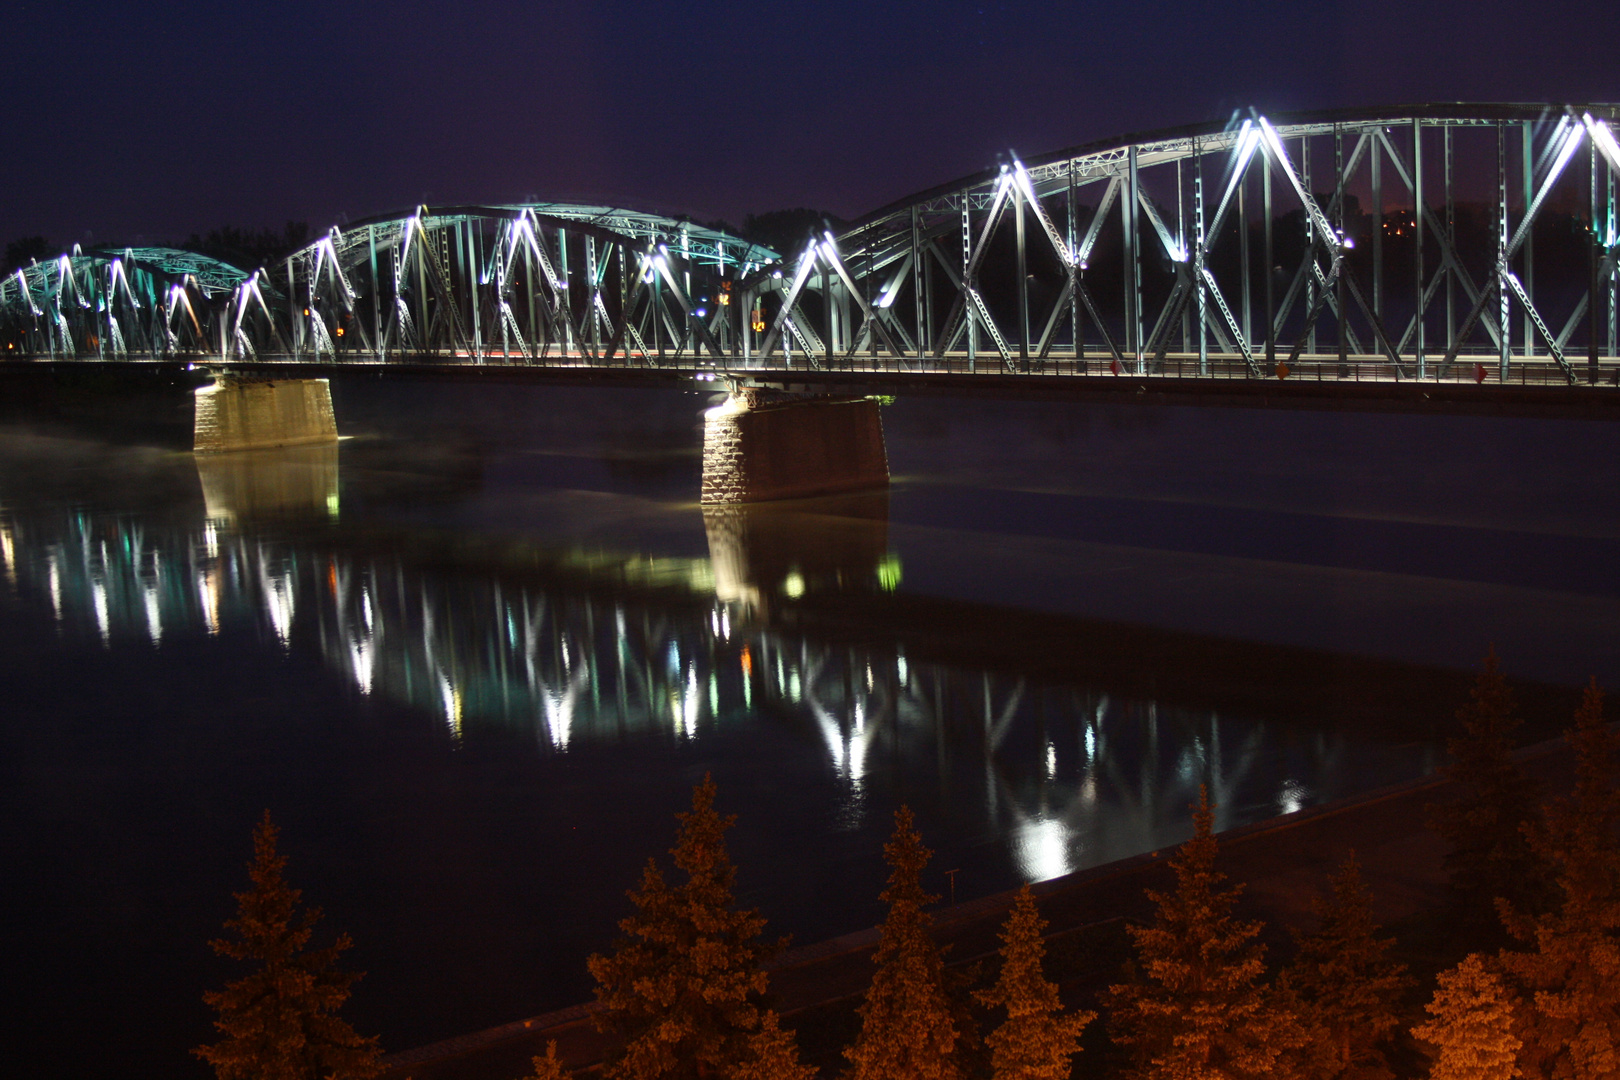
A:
(235, 414)
(763, 445)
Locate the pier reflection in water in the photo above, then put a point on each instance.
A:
(576, 647)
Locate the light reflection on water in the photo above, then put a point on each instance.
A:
(636, 646)
(531, 711)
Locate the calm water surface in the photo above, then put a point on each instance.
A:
(474, 658)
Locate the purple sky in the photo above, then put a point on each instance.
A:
(130, 120)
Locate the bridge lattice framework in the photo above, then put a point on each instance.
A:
(1233, 249)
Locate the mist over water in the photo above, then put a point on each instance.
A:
(474, 658)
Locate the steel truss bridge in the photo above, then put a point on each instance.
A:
(1398, 243)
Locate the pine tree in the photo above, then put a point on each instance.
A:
(908, 1031)
(280, 1022)
(1490, 856)
(1569, 974)
(549, 1067)
(1344, 986)
(683, 991)
(1195, 1005)
(1472, 1025)
(1036, 1041)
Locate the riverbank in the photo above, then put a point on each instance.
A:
(1282, 864)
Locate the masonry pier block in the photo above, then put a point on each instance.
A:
(762, 445)
(234, 414)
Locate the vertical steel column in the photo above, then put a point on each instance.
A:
(1529, 246)
(501, 310)
(1271, 297)
(565, 303)
(535, 333)
(421, 286)
(1451, 239)
(831, 313)
(1181, 239)
(1594, 301)
(1074, 270)
(473, 276)
(1129, 212)
(1341, 181)
(917, 279)
(1310, 240)
(1610, 238)
(1378, 225)
(967, 283)
(1417, 244)
(656, 312)
(1198, 258)
(1023, 279)
(846, 325)
(625, 312)
(593, 289)
(376, 292)
(927, 342)
(1501, 253)
(297, 322)
(1243, 258)
(458, 268)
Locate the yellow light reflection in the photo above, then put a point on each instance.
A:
(8, 551)
(208, 594)
(1041, 848)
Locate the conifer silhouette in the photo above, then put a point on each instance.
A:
(1568, 977)
(1195, 1005)
(908, 1031)
(1472, 1025)
(280, 1022)
(1037, 1040)
(683, 991)
(1490, 856)
(1344, 986)
(549, 1066)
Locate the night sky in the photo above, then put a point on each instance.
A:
(128, 122)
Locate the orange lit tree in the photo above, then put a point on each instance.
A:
(1343, 985)
(1472, 1025)
(548, 1067)
(1568, 977)
(1196, 1005)
(1037, 1039)
(1490, 856)
(683, 990)
(908, 1027)
(280, 1022)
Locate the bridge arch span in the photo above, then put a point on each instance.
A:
(530, 282)
(1396, 240)
(115, 304)
(1455, 241)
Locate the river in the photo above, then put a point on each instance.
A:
(474, 658)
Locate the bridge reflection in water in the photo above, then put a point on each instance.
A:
(579, 647)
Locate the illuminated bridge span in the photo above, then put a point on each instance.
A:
(1472, 242)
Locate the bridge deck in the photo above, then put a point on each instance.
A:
(1363, 383)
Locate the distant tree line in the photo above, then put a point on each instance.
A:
(1525, 973)
(249, 249)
